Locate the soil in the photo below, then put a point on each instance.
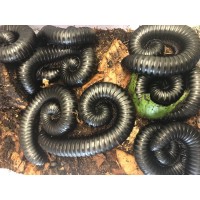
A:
(112, 47)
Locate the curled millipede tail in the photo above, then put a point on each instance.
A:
(56, 107)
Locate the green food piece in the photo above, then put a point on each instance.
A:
(146, 108)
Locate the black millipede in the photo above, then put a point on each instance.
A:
(95, 108)
(16, 43)
(70, 36)
(55, 107)
(28, 70)
(168, 90)
(163, 91)
(146, 56)
(170, 149)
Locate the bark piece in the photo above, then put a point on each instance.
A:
(128, 163)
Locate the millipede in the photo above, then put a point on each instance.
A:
(146, 50)
(168, 149)
(169, 98)
(16, 43)
(56, 107)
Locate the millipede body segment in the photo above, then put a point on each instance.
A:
(71, 36)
